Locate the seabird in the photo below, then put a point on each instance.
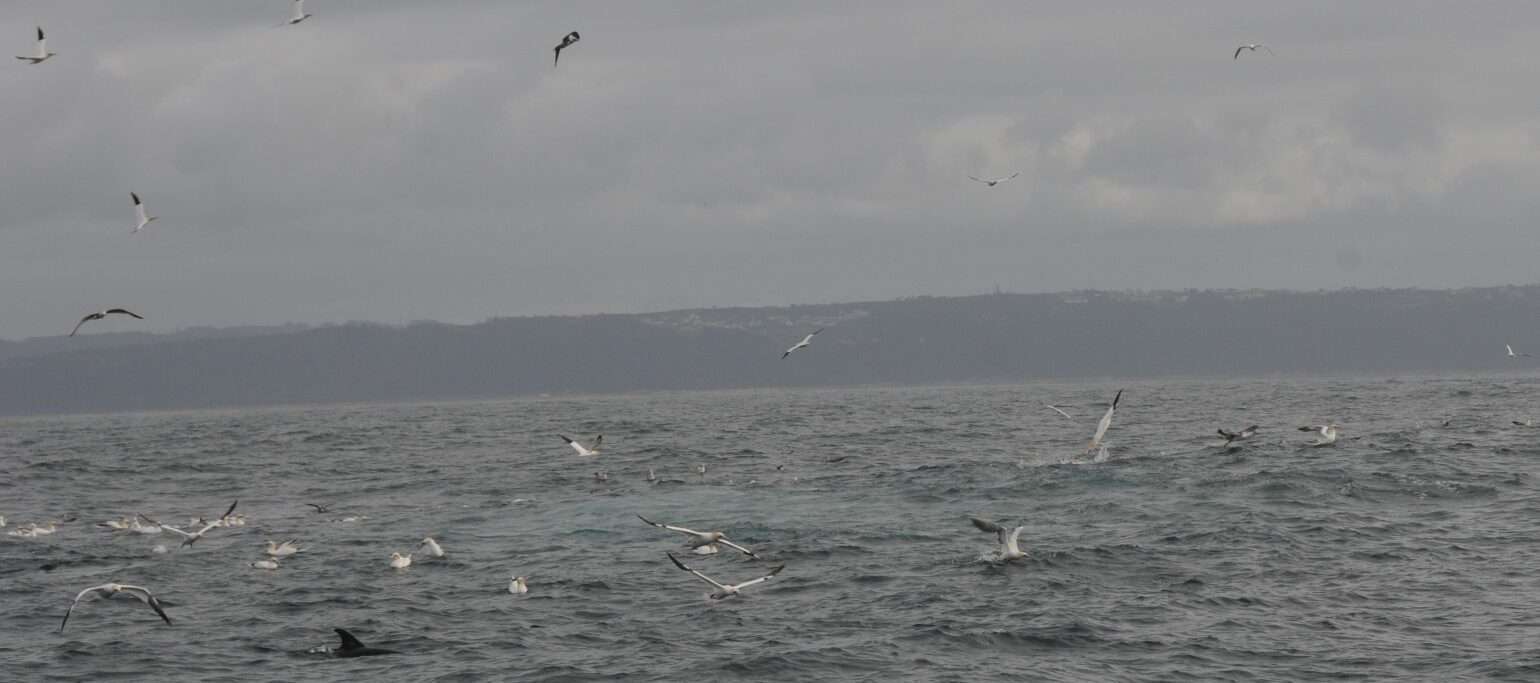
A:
(434, 549)
(353, 647)
(320, 509)
(299, 13)
(806, 341)
(1009, 550)
(265, 564)
(102, 314)
(189, 538)
(580, 448)
(724, 590)
(1253, 47)
(42, 54)
(1095, 447)
(651, 476)
(1511, 354)
(701, 469)
(601, 476)
(995, 181)
(1526, 422)
(518, 585)
(566, 42)
(1056, 409)
(283, 549)
(139, 213)
(1241, 435)
(399, 561)
(108, 590)
(1328, 434)
(699, 539)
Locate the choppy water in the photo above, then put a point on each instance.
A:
(1173, 561)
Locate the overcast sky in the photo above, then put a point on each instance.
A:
(393, 161)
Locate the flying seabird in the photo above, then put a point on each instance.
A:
(353, 647)
(566, 42)
(189, 538)
(1095, 447)
(1253, 47)
(724, 590)
(139, 213)
(806, 341)
(399, 561)
(580, 448)
(1241, 435)
(1056, 409)
(995, 181)
(434, 549)
(108, 590)
(283, 549)
(1328, 434)
(1511, 354)
(518, 585)
(42, 54)
(699, 539)
(102, 314)
(1009, 550)
(299, 13)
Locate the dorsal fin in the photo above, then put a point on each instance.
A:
(348, 641)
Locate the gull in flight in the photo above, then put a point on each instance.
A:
(1511, 354)
(42, 54)
(1328, 434)
(580, 448)
(399, 561)
(1009, 550)
(518, 585)
(139, 213)
(189, 538)
(434, 549)
(1095, 447)
(806, 341)
(283, 549)
(566, 42)
(102, 314)
(1056, 409)
(1241, 435)
(299, 13)
(108, 590)
(991, 182)
(702, 539)
(1253, 47)
(724, 590)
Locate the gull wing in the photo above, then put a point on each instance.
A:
(1010, 541)
(740, 548)
(761, 579)
(78, 598)
(1101, 427)
(679, 529)
(1238, 52)
(131, 314)
(581, 450)
(144, 596)
(986, 525)
(42, 44)
(1056, 409)
(166, 527)
(703, 577)
(77, 325)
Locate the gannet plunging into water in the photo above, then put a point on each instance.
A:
(995, 181)
(1009, 550)
(299, 13)
(700, 539)
(566, 42)
(518, 585)
(434, 550)
(399, 561)
(139, 213)
(1253, 47)
(580, 448)
(1095, 448)
(40, 54)
(725, 590)
(108, 590)
(102, 314)
(283, 549)
(806, 341)
(1328, 434)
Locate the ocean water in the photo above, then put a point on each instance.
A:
(1409, 550)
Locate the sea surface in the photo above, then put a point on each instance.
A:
(1409, 550)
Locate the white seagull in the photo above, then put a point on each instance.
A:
(1328, 434)
(700, 539)
(724, 590)
(434, 549)
(1009, 550)
(399, 561)
(580, 448)
(806, 341)
(283, 549)
(189, 538)
(139, 213)
(566, 42)
(42, 54)
(1056, 409)
(518, 585)
(1253, 47)
(102, 314)
(108, 590)
(1095, 447)
(991, 182)
(299, 13)
(1511, 354)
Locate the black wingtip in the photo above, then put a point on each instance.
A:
(776, 570)
(1117, 398)
(676, 561)
(644, 519)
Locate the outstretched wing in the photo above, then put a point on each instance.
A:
(670, 527)
(124, 311)
(1238, 52)
(986, 525)
(740, 548)
(702, 577)
(78, 598)
(145, 597)
(761, 579)
(77, 325)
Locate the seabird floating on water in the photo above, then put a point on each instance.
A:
(806, 341)
(41, 53)
(1009, 550)
(518, 585)
(725, 590)
(434, 549)
(991, 182)
(283, 549)
(1253, 47)
(265, 564)
(580, 448)
(108, 590)
(1328, 434)
(566, 42)
(699, 539)
(399, 561)
(139, 213)
(102, 314)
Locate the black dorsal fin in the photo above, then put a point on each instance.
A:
(348, 641)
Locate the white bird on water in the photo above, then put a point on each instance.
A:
(143, 218)
(702, 539)
(580, 448)
(1511, 354)
(1009, 548)
(40, 54)
(283, 549)
(806, 341)
(991, 182)
(1253, 47)
(1328, 434)
(265, 564)
(725, 590)
(518, 585)
(434, 549)
(1095, 448)
(299, 13)
(108, 590)
(399, 561)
